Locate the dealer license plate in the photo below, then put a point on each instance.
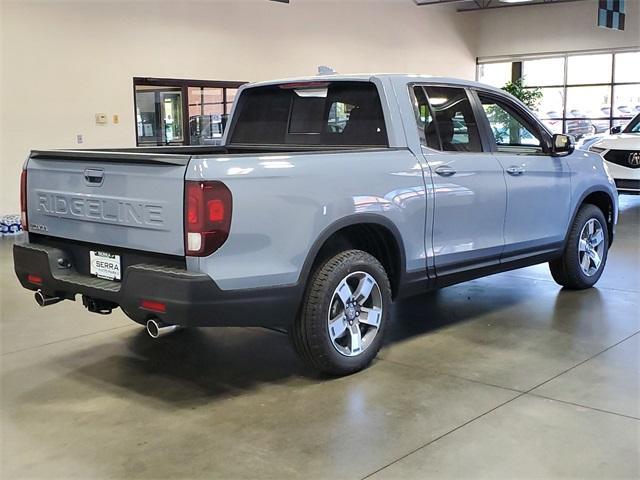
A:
(104, 265)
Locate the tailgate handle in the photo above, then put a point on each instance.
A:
(94, 176)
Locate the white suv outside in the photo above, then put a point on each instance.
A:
(621, 152)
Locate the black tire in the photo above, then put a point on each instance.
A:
(310, 332)
(566, 270)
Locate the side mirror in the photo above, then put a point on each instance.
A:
(562, 145)
(616, 129)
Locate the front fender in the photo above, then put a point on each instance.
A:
(590, 176)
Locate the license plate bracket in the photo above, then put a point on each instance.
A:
(105, 265)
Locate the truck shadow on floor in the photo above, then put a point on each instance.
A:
(197, 366)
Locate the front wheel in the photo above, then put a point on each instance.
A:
(344, 315)
(585, 253)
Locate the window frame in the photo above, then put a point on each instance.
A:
(485, 142)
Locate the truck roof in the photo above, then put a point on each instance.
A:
(365, 77)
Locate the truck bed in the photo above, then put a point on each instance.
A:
(124, 197)
(179, 155)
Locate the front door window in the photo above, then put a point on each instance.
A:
(511, 132)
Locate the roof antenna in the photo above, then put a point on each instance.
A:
(325, 70)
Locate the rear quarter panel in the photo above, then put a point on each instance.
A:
(283, 203)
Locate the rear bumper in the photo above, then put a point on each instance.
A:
(189, 298)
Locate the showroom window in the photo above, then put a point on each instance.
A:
(582, 93)
(182, 112)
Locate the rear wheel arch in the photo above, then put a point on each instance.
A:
(370, 233)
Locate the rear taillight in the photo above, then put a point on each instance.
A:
(207, 217)
(23, 200)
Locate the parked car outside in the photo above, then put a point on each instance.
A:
(578, 127)
(621, 152)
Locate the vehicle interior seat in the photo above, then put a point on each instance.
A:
(365, 126)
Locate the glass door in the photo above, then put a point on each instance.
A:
(171, 103)
(159, 115)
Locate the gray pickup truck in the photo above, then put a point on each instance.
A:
(330, 197)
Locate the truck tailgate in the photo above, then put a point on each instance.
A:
(130, 200)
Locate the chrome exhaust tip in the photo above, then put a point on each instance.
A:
(157, 329)
(44, 300)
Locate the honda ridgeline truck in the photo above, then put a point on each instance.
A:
(329, 198)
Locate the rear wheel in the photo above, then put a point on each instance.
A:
(585, 253)
(342, 321)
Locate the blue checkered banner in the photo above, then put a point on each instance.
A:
(611, 14)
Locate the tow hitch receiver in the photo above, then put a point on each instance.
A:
(103, 307)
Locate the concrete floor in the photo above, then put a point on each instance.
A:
(503, 377)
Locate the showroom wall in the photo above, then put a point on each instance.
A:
(65, 61)
(551, 28)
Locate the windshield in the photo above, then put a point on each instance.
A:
(633, 126)
(318, 113)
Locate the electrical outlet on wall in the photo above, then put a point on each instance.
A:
(101, 118)
(79, 138)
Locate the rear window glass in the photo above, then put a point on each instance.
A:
(322, 113)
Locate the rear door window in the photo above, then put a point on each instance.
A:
(426, 122)
(319, 113)
(447, 119)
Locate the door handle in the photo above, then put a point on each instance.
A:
(445, 171)
(94, 176)
(515, 170)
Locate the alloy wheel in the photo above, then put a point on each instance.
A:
(591, 247)
(355, 313)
